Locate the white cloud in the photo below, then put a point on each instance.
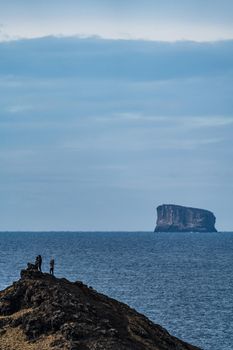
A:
(14, 109)
(187, 122)
(116, 29)
(198, 122)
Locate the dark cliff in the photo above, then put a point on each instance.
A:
(176, 218)
(41, 312)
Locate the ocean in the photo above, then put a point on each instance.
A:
(182, 281)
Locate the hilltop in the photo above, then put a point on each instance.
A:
(42, 312)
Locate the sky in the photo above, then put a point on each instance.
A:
(111, 108)
(166, 20)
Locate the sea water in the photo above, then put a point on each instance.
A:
(182, 281)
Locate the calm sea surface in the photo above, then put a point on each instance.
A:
(183, 281)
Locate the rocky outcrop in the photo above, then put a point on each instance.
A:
(43, 312)
(176, 218)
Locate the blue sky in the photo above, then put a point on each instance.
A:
(96, 132)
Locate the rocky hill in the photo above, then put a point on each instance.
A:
(177, 218)
(41, 312)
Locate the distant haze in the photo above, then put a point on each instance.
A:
(95, 133)
(166, 20)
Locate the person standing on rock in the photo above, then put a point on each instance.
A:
(51, 271)
(39, 262)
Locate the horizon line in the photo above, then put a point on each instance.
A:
(102, 231)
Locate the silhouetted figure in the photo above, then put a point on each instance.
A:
(39, 262)
(51, 271)
(31, 267)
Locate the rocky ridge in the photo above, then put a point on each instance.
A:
(177, 218)
(42, 312)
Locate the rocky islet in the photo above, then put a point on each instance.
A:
(177, 218)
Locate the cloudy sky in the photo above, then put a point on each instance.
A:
(139, 19)
(110, 108)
